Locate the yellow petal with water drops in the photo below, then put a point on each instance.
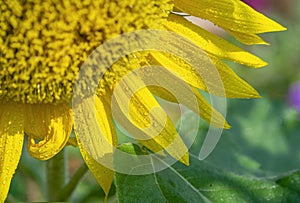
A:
(96, 138)
(211, 43)
(208, 113)
(233, 85)
(48, 127)
(178, 66)
(229, 14)
(11, 143)
(103, 175)
(203, 108)
(185, 94)
(140, 114)
(247, 38)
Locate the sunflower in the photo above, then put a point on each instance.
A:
(44, 43)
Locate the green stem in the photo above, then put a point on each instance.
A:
(68, 189)
(56, 175)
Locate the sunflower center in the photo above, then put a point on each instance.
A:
(44, 43)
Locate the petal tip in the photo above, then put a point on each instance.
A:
(260, 64)
(185, 159)
(227, 125)
(279, 28)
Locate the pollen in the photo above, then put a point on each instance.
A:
(44, 43)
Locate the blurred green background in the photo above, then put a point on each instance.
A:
(265, 137)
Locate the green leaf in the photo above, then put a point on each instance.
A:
(291, 181)
(200, 182)
(266, 131)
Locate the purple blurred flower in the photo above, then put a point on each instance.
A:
(257, 4)
(294, 96)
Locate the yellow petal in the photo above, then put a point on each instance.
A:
(200, 106)
(203, 108)
(233, 85)
(103, 175)
(178, 66)
(247, 38)
(211, 43)
(11, 143)
(229, 14)
(96, 139)
(72, 142)
(50, 126)
(208, 113)
(148, 122)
